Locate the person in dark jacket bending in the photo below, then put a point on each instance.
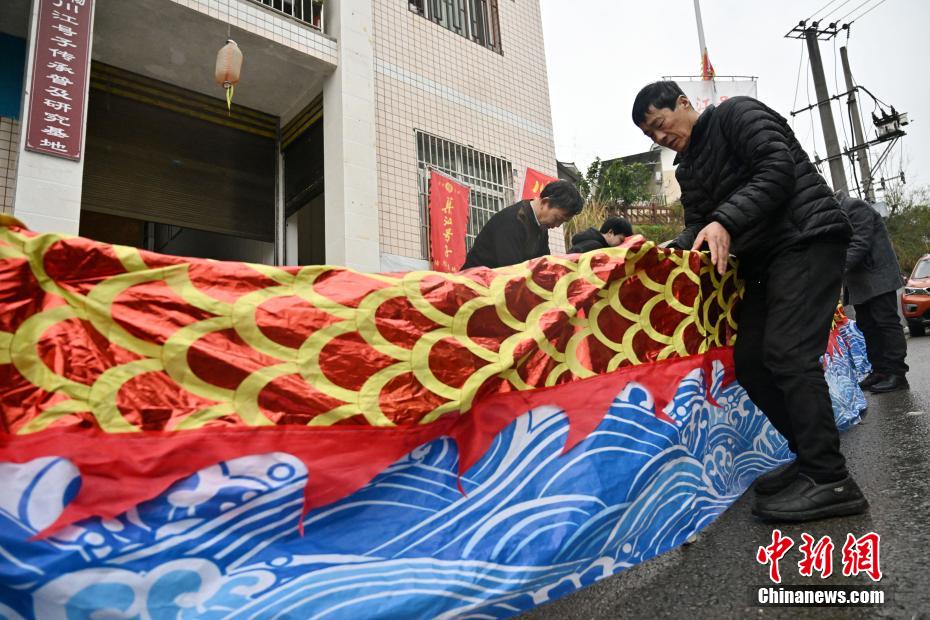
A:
(872, 279)
(749, 188)
(521, 231)
(612, 233)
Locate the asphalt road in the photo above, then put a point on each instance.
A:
(718, 577)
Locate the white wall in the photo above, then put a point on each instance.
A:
(48, 189)
(351, 174)
(431, 79)
(670, 186)
(9, 151)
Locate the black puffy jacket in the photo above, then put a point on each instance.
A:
(511, 236)
(587, 240)
(745, 169)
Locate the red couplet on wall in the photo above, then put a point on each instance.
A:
(534, 183)
(448, 222)
(59, 78)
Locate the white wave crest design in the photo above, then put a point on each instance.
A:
(533, 524)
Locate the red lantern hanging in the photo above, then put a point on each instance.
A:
(228, 67)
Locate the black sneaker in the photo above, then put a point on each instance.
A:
(776, 480)
(891, 383)
(805, 500)
(872, 379)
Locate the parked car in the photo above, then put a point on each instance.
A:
(915, 302)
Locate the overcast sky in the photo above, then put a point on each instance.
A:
(601, 52)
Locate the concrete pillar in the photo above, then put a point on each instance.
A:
(48, 189)
(351, 172)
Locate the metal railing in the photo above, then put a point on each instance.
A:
(308, 11)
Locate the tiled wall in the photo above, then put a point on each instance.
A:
(268, 23)
(9, 143)
(431, 79)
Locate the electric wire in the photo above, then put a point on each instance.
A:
(822, 8)
(867, 12)
(797, 84)
(835, 9)
(812, 135)
(853, 11)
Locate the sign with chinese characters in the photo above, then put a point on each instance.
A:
(59, 78)
(534, 183)
(702, 93)
(859, 555)
(448, 222)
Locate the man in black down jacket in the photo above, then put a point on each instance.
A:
(521, 231)
(749, 188)
(612, 233)
(872, 279)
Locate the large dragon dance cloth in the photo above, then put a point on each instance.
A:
(192, 438)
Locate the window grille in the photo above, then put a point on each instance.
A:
(308, 11)
(489, 178)
(478, 20)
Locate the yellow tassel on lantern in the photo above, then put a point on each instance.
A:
(228, 67)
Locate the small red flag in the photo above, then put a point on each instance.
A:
(707, 69)
(534, 182)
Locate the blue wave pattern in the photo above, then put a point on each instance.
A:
(850, 337)
(534, 524)
(844, 369)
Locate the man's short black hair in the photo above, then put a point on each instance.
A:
(662, 94)
(617, 225)
(563, 195)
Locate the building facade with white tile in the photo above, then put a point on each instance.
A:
(342, 109)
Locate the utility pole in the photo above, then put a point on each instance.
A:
(888, 127)
(837, 171)
(862, 155)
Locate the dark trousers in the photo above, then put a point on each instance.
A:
(784, 324)
(884, 337)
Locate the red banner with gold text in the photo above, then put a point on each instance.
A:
(448, 222)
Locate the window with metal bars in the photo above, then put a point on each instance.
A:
(489, 178)
(309, 11)
(477, 20)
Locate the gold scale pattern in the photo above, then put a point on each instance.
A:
(84, 324)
